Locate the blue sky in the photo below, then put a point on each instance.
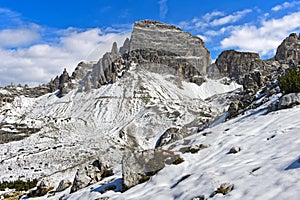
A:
(40, 38)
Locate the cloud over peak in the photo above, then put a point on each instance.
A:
(163, 8)
(236, 16)
(38, 63)
(265, 37)
(214, 19)
(12, 38)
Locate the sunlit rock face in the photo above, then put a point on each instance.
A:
(149, 34)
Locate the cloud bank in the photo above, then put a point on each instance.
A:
(248, 29)
(285, 5)
(264, 37)
(29, 57)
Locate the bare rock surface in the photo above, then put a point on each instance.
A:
(149, 34)
(288, 51)
(139, 166)
(90, 174)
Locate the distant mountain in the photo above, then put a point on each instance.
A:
(151, 104)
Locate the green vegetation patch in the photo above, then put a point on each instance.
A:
(290, 82)
(19, 185)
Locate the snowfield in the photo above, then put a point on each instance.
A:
(267, 167)
(82, 126)
(133, 113)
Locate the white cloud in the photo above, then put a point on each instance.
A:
(163, 8)
(208, 16)
(204, 38)
(236, 16)
(18, 37)
(33, 54)
(265, 37)
(39, 63)
(220, 31)
(214, 19)
(285, 5)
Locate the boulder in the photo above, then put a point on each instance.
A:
(90, 174)
(289, 100)
(41, 189)
(169, 136)
(63, 184)
(253, 81)
(224, 189)
(139, 166)
(234, 150)
(234, 108)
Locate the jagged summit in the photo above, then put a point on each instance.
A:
(289, 50)
(153, 23)
(155, 35)
(157, 46)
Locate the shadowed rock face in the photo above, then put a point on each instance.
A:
(289, 50)
(234, 64)
(155, 35)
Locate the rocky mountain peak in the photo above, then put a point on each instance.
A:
(156, 46)
(149, 34)
(289, 50)
(114, 51)
(126, 47)
(155, 24)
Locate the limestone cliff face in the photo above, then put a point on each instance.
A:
(149, 34)
(234, 64)
(289, 50)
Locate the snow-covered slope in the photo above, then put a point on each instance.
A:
(103, 123)
(267, 166)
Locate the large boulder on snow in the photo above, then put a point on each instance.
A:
(286, 101)
(139, 166)
(90, 174)
(289, 100)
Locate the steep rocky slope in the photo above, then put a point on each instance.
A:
(121, 103)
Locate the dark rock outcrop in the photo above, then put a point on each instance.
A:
(41, 189)
(126, 47)
(236, 64)
(63, 185)
(286, 101)
(169, 136)
(90, 174)
(288, 51)
(224, 189)
(161, 61)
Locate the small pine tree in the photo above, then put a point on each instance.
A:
(290, 82)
